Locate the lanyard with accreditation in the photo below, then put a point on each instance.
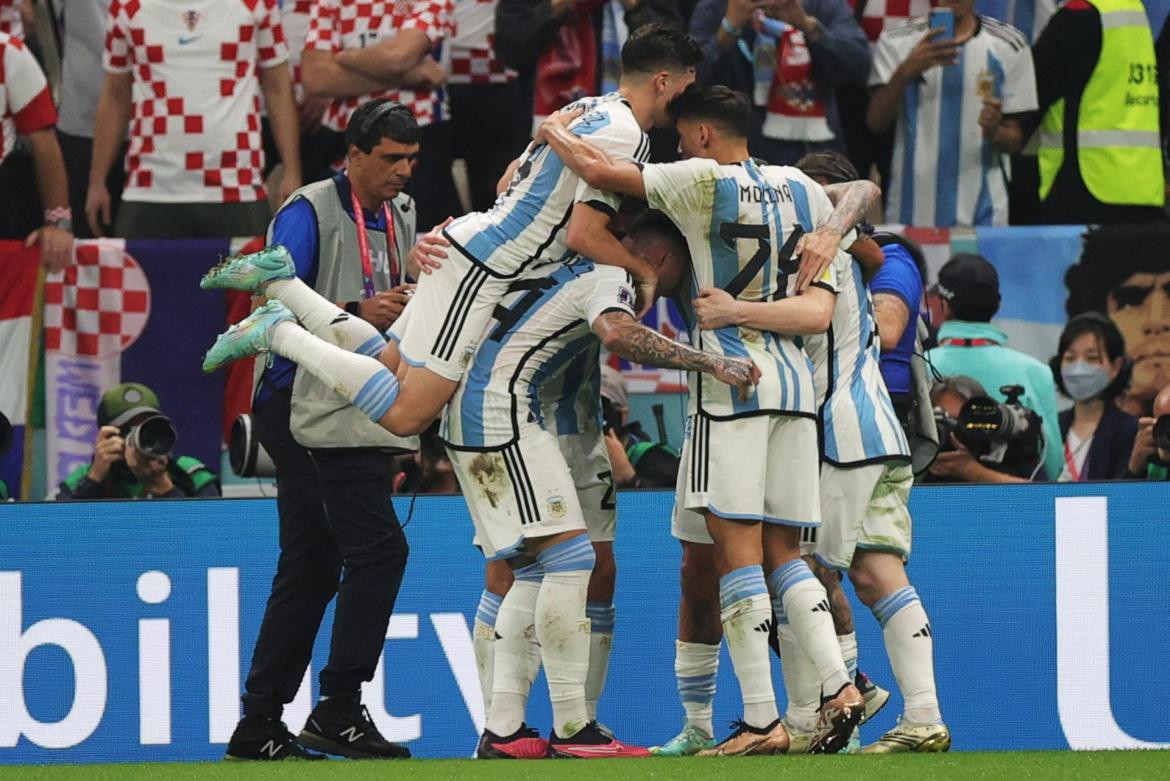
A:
(364, 245)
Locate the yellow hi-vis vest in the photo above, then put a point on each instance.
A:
(1118, 145)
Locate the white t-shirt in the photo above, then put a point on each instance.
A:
(335, 25)
(195, 120)
(944, 172)
(728, 214)
(25, 102)
(1079, 450)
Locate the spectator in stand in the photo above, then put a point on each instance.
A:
(787, 55)
(130, 464)
(1149, 460)
(489, 114)
(12, 17)
(1100, 149)
(970, 345)
(188, 83)
(957, 106)
(81, 84)
(361, 50)
(26, 108)
(1090, 368)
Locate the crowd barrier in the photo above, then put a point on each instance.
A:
(126, 628)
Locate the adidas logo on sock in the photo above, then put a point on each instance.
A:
(499, 636)
(924, 632)
(765, 627)
(341, 318)
(821, 607)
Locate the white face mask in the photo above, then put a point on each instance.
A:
(1083, 380)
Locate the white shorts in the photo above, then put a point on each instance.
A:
(864, 508)
(521, 491)
(449, 311)
(758, 468)
(588, 462)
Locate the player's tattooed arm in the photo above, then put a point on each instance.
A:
(852, 201)
(598, 169)
(625, 336)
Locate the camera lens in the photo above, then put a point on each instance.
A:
(1162, 432)
(154, 436)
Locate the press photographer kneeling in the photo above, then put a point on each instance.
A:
(982, 440)
(132, 457)
(1150, 459)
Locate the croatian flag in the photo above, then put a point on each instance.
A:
(132, 311)
(18, 287)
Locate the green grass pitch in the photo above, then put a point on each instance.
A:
(996, 766)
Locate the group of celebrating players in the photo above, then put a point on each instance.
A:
(502, 340)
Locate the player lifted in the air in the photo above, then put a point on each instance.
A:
(545, 215)
(865, 485)
(524, 436)
(749, 467)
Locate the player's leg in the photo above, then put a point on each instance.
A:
(879, 576)
(792, 502)
(602, 615)
(497, 578)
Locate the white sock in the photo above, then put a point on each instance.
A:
(562, 630)
(848, 645)
(695, 667)
(747, 618)
(803, 600)
(910, 646)
(511, 681)
(601, 620)
(323, 318)
(483, 641)
(365, 381)
(802, 682)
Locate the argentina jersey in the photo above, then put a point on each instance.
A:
(527, 223)
(857, 419)
(538, 347)
(729, 214)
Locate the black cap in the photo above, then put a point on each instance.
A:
(971, 286)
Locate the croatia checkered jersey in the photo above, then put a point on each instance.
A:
(335, 25)
(10, 20)
(856, 415)
(527, 223)
(25, 103)
(470, 57)
(539, 345)
(294, 17)
(195, 117)
(728, 214)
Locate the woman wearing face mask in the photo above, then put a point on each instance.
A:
(1091, 369)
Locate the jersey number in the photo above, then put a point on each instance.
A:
(733, 231)
(507, 317)
(607, 502)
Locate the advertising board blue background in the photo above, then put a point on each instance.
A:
(985, 563)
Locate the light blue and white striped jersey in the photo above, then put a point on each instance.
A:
(728, 214)
(944, 172)
(527, 223)
(538, 357)
(856, 416)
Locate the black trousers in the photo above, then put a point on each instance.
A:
(491, 125)
(78, 152)
(338, 536)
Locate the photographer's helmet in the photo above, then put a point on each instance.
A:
(122, 404)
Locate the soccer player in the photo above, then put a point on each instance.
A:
(865, 484)
(545, 214)
(524, 435)
(733, 215)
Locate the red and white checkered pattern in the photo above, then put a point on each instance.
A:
(25, 102)
(354, 24)
(195, 123)
(10, 21)
(294, 18)
(471, 57)
(98, 307)
(877, 13)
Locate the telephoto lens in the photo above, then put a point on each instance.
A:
(154, 436)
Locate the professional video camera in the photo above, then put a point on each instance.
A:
(154, 436)
(247, 456)
(995, 433)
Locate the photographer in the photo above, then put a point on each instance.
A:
(967, 459)
(1150, 459)
(132, 457)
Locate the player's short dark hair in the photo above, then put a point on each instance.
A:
(831, 166)
(658, 47)
(654, 223)
(382, 118)
(1111, 255)
(1109, 335)
(728, 109)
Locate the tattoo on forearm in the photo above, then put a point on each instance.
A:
(852, 202)
(638, 343)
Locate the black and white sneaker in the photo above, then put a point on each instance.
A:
(342, 726)
(266, 739)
